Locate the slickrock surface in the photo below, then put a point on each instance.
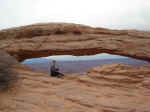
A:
(47, 39)
(111, 88)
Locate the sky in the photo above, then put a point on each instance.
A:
(101, 56)
(113, 14)
(90, 57)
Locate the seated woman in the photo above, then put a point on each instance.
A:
(55, 71)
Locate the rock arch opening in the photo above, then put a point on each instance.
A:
(70, 64)
(41, 40)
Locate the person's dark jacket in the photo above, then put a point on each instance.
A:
(54, 70)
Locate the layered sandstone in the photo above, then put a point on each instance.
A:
(62, 38)
(111, 88)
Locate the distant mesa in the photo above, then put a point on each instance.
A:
(80, 64)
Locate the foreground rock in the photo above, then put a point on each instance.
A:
(8, 77)
(61, 38)
(111, 88)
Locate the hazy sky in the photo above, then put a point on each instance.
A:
(90, 57)
(122, 14)
(101, 56)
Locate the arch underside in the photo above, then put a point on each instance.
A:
(70, 39)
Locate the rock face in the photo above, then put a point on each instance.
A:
(62, 38)
(111, 88)
(7, 76)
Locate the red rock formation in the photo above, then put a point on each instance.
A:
(62, 38)
(111, 88)
(8, 77)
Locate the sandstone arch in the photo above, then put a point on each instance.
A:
(47, 39)
(116, 88)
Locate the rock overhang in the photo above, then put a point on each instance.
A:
(41, 40)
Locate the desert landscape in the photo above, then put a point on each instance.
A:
(108, 88)
(78, 66)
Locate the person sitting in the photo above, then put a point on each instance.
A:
(55, 71)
